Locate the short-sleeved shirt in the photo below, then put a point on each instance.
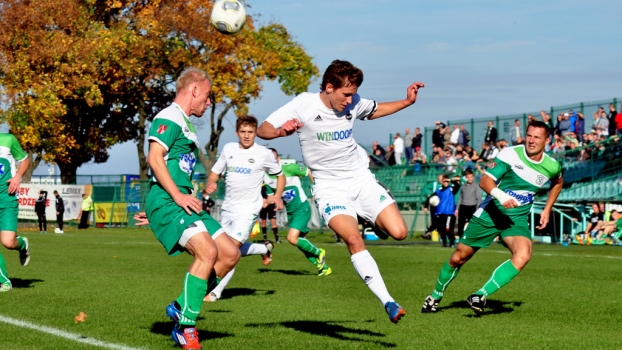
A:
(520, 177)
(326, 139)
(245, 169)
(10, 154)
(596, 217)
(293, 195)
(172, 129)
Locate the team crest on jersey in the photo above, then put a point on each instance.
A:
(349, 116)
(540, 180)
(251, 160)
(162, 129)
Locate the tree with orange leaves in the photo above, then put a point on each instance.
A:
(83, 76)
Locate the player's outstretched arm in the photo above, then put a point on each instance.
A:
(489, 186)
(155, 158)
(556, 187)
(386, 108)
(267, 131)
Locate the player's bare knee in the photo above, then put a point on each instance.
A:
(9, 242)
(399, 233)
(292, 239)
(520, 259)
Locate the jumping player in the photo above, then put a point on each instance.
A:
(517, 174)
(175, 213)
(344, 186)
(298, 212)
(245, 164)
(10, 176)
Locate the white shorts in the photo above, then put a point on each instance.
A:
(360, 195)
(238, 226)
(193, 230)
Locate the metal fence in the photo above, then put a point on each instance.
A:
(477, 126)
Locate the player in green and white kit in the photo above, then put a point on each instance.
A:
(10, 176)
(298, 212)
(175, 214)
(517, 174)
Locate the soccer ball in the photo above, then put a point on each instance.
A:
(434, 200)
(228, 16)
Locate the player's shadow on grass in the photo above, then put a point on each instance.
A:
(20, 283)
(492, 307)
(332, 329)
(242, 292)
(288, 272)
(165, 328)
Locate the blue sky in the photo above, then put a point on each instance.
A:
(477, 58)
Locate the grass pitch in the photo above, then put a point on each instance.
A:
(567, 298)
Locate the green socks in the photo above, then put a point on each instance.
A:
(308, 249)
(500, 277)
(21, 243)
(212, 281)
(4, 276)
(447, 274)
(191, 299)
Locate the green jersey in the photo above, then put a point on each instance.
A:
(519, 177)
(10, 153)
(173, 131)
(293, 194)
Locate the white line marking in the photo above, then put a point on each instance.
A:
(60, 333)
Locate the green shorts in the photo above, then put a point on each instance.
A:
(168, 220)
(480, 233)
(8, 219)
(299, 218)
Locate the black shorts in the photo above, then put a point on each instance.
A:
(268, 213)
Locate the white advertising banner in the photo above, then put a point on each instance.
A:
(71, 194)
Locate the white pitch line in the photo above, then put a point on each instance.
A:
(60, 333)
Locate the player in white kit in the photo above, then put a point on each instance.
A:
(245, 164)
(344, 186)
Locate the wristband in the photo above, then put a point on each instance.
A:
(501, 196)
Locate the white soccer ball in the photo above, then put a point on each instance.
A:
(228, 16)
(434, 200)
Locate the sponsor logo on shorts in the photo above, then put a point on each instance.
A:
(334, 135)
(330, 208)
(239, 170)
(521, 198)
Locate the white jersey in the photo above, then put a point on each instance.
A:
(245, 169)
(326, 140)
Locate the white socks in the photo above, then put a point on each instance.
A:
(253, 249)
(223, 283)
(367, 268)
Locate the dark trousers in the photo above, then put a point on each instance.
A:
(43, 224)
(59, 221)
(465, 212)
(84, 219)
(445, 224)
(432, 226)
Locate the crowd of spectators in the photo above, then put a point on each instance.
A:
(452, 150)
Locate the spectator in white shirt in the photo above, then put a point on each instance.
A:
(455, 135)
(398, 148)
